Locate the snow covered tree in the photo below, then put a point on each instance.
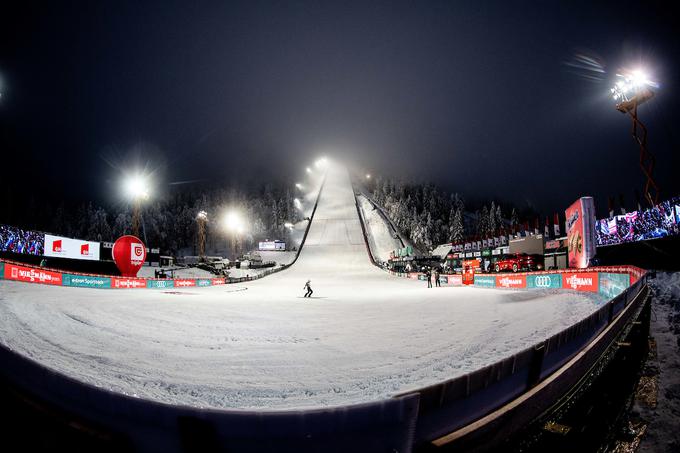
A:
(457, 230)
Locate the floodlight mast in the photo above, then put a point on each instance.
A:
(633, 91)
(202, 219)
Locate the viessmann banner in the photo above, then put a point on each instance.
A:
(61, 247)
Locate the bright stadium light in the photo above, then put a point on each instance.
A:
(368, 176)
(309, 170)
(136, 187)
(321, 163)
(202, 215)
(233, 222)
(288, 225)
(299, 186)
(297, 203)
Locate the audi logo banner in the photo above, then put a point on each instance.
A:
(544, 281)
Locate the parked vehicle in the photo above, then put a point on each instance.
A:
(519, 262)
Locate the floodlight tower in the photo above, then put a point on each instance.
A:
(201, 219)
(136, 188)
(631, 90)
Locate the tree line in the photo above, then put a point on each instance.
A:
(430, 216)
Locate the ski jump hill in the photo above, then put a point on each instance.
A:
(371, 363)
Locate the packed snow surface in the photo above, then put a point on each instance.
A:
(363, 336)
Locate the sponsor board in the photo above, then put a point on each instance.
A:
(125, 283)
(544, 281)
(2, 271)
(511, 281)
(160, 283)
(28, 274)
(611, 285)
(456, 280)
(184, 282)
(217, 281)
(203, 282)
(485, 281)
(86, 281)
(272, 245)
(422, 277)
(581, 281)
(62, 247)
(581, 239)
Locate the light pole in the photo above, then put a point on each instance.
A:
(136, 188)
(631, 90)
(201, 219)
(233, 223)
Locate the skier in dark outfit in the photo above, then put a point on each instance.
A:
(308, 288)
(428, 276)
(436, 278)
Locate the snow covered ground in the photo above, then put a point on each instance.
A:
(363, 336)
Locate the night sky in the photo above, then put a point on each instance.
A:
(492, 99)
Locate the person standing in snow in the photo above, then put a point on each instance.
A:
(308, 287)
(436, 278)
(428, 276)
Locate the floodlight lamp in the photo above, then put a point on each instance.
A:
(202, 215)
(136, 187)
(309, 170)
(321, 163)
(288, 225)
(234, 222)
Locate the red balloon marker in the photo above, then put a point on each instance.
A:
(129, 254)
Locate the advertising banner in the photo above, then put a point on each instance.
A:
(611, 285)
(160, 283)
(184, 282)
(28, 274)
(127, 282)
(218, 281)
(485, 281)
(511, 281)
(544, 281)
(203, 282)
(61, 247)
(454, 280)
(581, 281)
(2, 270)
(86, 281)
(581, 232)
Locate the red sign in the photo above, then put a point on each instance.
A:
(129, 254)
(56, 246)
(184, 282)
(217, 281)
(511, 281)
(28, 274)
(581, 232)
(580, 281)
(118, 282)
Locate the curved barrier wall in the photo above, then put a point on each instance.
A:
(482, 406)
